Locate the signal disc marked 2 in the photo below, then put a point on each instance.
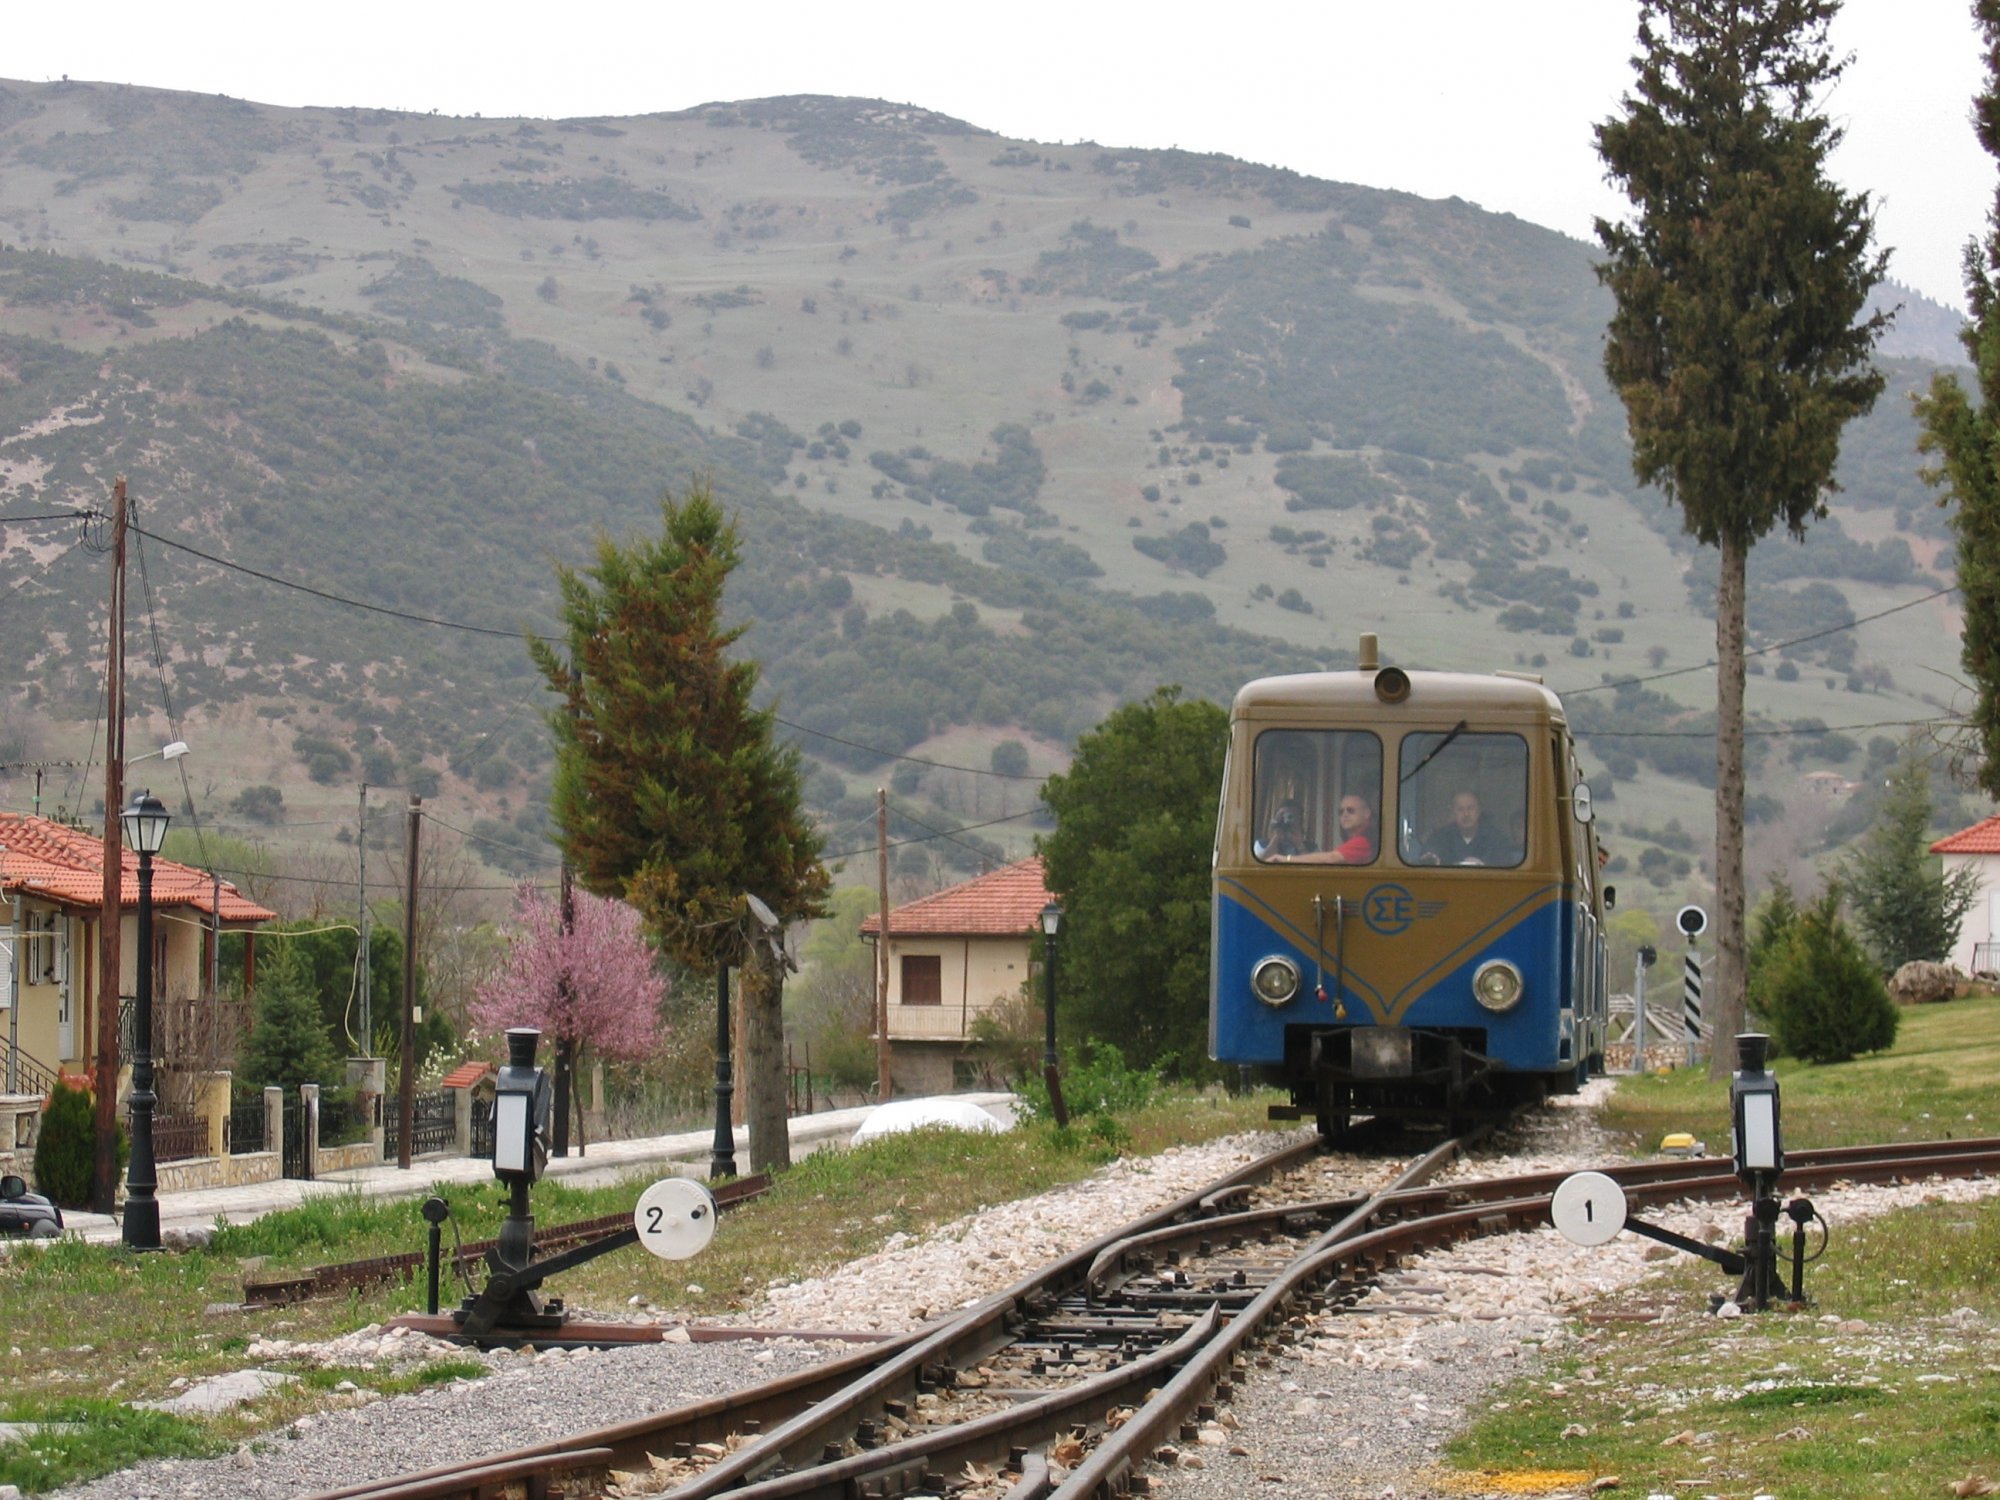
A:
(675, 1218)
(1589, 1208)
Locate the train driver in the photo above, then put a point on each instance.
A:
(1467, 839)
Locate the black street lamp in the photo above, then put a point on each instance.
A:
(722, 1151)
(145, 818)
(1052, 916)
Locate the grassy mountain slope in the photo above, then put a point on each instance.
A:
(1014, 431)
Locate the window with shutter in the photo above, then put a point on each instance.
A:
(923, 979)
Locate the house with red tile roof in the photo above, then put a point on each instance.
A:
(953, 957)
(1976, 848)
(51, 902)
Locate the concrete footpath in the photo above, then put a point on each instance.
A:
(603, 1162)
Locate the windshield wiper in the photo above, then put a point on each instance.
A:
(1436, 750)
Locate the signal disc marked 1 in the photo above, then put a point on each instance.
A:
(675, 1218)
(1589, 1208)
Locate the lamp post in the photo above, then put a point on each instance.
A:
(145, 819)
(1052, 916)
(722, 1151)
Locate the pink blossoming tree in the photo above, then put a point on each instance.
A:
(595, 985)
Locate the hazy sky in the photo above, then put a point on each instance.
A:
(1488, 100)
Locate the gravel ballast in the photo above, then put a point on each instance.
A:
(1360, 1407)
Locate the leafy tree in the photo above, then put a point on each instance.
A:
(66, 1147)
(670, 791)
(1135, 826)
(1822, 995)
(1967, 440)
(260, 804)
(288, 1043)
(1738, 344)
(1905, 905)
(832, 1002)
(1010, 758)
(590, 981)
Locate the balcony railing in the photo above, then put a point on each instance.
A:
(926, 1023)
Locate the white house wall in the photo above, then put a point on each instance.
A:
(975, 976)
(1982, 923)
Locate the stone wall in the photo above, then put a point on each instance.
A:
(201, 1172)
(344, 1158)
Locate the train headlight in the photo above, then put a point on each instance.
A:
(1498, 985)
(1275, 979)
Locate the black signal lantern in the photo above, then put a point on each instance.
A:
(521, 1103)
(1753, 1112)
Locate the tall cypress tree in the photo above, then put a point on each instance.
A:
(1738, 344)
(1967, 440)
(670, 790)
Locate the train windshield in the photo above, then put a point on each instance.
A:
(1462, 799)
(1317, 794)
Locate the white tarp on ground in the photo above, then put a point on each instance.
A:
(917, 1114)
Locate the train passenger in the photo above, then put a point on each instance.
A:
(1286, 837)
(1357, 836)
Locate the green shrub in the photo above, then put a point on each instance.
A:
(1820, 992)
(1096, 1080)
(66, 1149)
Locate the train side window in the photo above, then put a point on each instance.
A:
(1463, 799)
(1316, 796)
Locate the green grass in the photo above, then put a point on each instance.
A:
(98, 1318)
(86, 1437)
(1935, 1084)
(1884, 1387)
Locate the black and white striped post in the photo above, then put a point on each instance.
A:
(1692, 921)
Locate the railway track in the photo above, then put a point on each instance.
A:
(1101, 1359)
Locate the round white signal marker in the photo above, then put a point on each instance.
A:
(675, 1218)
(1589, 1208)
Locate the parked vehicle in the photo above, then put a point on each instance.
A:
(23, 1212)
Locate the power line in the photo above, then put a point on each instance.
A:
(915, 760)
(521, 849)
(306, 588)
(1754, 734)
(317, 593)
(934, 834)
(1709, 665)
(37, 574)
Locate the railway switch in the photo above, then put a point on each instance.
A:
(1590, 1208)
(675, 1219)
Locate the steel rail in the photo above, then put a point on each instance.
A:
(894, 1467)
(1488, 1206)
(828, 1386)
(808, 1454)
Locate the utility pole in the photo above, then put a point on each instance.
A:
(565, 995)
(406, 1086)
(367, 979)
(104, 1175)
(884, 1088)
(214, 936)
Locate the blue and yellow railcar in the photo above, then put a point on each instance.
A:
(1408, 916)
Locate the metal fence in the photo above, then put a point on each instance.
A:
(482, 1129)
(435, 1120)
(298, 1161)
(244, 1130)
(179, 1137)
